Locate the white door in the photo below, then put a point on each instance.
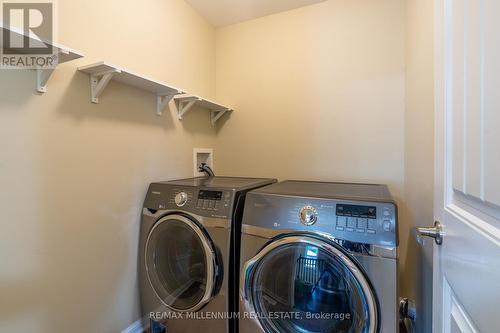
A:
(467, 192)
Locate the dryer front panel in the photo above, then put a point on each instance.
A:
(306, 284)
(181, 263)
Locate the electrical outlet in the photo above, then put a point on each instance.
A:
(202, 155)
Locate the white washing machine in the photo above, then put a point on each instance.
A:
(319, 257)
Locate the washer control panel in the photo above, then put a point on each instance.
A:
(357, 221)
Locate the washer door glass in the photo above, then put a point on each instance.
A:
(307, 285)
(180, 263)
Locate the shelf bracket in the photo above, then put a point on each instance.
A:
(42, 77)
(215, 115)
(98, 82)
(184, 106)
(43, 74)
(162, 102)
(60, 54)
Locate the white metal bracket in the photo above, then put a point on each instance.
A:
(43, 74)
(60, 53)
(98, 82)
(185, 105)
(42, 77)
(215, 115)
(162, 102)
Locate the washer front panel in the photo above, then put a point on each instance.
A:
(180, 263)
(302, 284)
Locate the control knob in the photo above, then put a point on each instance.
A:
(308, 215)
(181, 198)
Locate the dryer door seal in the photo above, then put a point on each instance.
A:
(181, 263)
(302, 284)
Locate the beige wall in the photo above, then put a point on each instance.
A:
(419, 154)
(319, 93)
(73, 175)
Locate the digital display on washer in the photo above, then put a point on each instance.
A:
(210, 195)
(357, 211)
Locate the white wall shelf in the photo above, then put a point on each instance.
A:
(63, 54)
(186, 102)
(101, 73)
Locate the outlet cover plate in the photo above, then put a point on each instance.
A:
(202, 155)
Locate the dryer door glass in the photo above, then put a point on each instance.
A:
(180, 263)
(303, 284)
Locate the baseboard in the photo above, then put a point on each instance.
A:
(135, 327)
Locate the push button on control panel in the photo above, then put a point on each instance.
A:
(387, 225)
(341, 223)
(372, 226)
(351, 222)
(362, 223)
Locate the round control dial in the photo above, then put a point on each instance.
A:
(181, 198)
(308, 215)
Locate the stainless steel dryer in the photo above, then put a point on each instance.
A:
(319, 257)
(187, 264)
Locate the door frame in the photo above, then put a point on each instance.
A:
(439, 151)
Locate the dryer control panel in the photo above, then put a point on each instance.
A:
(203, 202)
